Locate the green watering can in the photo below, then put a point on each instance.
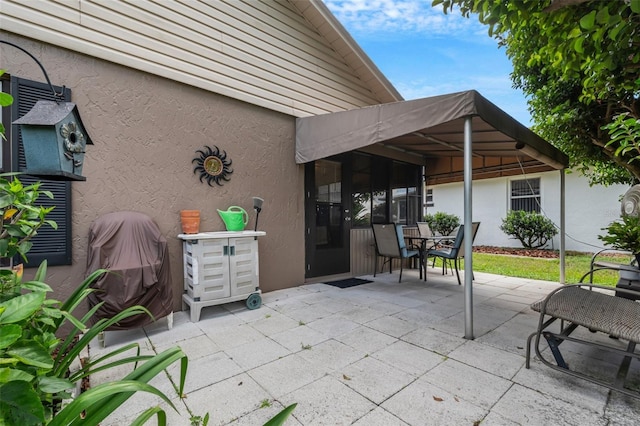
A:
(235, 218)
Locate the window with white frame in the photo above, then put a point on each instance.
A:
(525, 195)
(429, 200)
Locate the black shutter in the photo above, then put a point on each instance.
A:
(50, 244)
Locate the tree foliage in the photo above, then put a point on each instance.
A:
(578, 62)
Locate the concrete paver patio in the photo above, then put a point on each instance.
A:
(383, 353)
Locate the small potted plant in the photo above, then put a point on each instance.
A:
(624, 234)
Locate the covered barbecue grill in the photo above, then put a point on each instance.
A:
(130, 245)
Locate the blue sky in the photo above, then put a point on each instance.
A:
(424, 52)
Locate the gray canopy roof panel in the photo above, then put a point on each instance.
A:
(434, 129)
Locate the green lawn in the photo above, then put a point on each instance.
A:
(577, 264)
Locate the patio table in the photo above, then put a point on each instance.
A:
(423, 244)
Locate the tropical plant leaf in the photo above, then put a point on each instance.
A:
(8, 213)
(63, 363)
(116, 352)
(54, 384)
(96, 399)
(41, 273)
(36, 286)
(147, 414)
(11, 374)
(79, 294)
(30, 352)
(282, 416)
(21, 307)
(9, 334)
(143, 374)
(73, 320)
(94, 368)
(72, 336)
(5, 99)
(4, 245)
(20, 405)
(52, 224)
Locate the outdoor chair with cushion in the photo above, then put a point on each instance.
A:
(453, 252)
(390, 244)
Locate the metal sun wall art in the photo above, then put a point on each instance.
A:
(212, 165)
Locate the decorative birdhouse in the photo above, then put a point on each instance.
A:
(54, 141)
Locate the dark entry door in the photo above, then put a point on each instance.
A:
(328, 218)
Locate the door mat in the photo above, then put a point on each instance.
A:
(349, 282)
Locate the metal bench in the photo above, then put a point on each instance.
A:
(599, 264)
(598, 309)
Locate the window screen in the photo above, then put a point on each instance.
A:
(525, 195)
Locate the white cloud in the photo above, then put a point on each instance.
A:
(425, 52)
(393, 16)
(488, 85)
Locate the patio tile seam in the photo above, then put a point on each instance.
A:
(375, 404)
(230, 356)
(379, 404)
(385, 333)
(283, 396)
(333, 371)
(417, 375)
(521, 351)
(487, 410)
(456, 336)
(168, 375)
(402, 339)
(497, 408)
(511, 379)
(417, 323)
(536, 363)
(457, 398)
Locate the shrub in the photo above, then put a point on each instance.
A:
(624, 234)
(20, 217)
(442, 223)
(532, 229)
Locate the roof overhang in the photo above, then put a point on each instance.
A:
(432, 129)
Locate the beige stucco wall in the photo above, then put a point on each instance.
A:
(146, 130)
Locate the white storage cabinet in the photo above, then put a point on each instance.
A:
(220, 267)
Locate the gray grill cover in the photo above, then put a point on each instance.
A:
(130, 245)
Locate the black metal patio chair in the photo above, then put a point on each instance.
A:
(453, 252)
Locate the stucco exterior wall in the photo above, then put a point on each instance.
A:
(588, 209)
(146, 130)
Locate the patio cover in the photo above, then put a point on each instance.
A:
(432, 129)
(457, 137)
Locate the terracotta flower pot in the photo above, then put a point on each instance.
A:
(190, 220)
